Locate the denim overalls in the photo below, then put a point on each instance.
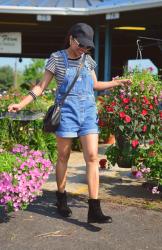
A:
(78, 113)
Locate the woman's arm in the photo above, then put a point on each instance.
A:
(98, 85)
(37, 91)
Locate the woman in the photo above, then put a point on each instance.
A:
(79, 115)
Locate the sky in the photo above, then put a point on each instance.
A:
(4, 61)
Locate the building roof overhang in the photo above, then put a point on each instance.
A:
(100, 7)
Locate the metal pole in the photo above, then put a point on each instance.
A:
(15, 74)
(107, 66)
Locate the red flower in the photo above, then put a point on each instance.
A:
(151, 106)
(101, 123)
(144, 112)
(121, 96)
(113, 104)
(156, 100)
(146, 101)
(126, 100)
(151, 142)
(127, 119)
(160, 114)
(109, 109)
(126, 107)
(134, 99)
(122, 114)
(102, 163)
(144, 128)
(135, 143)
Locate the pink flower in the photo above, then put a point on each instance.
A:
(139, 174)
(150, 69)
(144, 128)
(155, 190)
(156, 100)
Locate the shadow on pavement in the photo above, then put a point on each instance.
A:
(45, 205)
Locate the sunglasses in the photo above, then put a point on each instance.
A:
(81, 45)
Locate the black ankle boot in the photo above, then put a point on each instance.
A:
(95, 213)
(61, 204)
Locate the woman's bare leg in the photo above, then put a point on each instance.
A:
(90, 151)
(64, 149)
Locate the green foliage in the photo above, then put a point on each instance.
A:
(7, 161)
(151, 157)
(6, 77)
(15, 95)
(34, 71)
(27, 133)
(144, 81)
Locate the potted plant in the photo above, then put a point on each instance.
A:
(132, 114)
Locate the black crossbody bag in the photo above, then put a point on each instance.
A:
(52, 118)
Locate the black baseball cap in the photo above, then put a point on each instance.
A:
(83, 33)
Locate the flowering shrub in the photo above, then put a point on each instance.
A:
(132, 113)
(22, 174)
(28, 132)
(149, 165)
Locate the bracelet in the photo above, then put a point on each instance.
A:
(32, 94)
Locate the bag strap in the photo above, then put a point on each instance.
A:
(74, 80)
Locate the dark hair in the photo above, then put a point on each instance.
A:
(67, 40)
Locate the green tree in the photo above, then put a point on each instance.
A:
(34, 71)
(6, 77)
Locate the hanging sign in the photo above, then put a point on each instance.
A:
(10, 43)
(112, 16)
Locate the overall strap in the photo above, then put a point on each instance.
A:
(64, 55)
(74, 80)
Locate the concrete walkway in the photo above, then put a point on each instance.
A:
(133, 228)
(116, 184)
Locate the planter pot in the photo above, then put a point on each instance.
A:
(110, 140)
(124, 159)
(123, 162)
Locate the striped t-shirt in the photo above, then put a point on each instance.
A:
(56, 65)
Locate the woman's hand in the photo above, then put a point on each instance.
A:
(14, 107)
(122, 82)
